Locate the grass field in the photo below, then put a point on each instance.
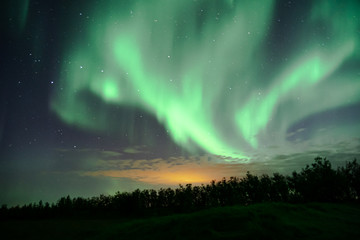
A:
(258, 221)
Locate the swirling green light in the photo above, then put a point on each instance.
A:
(196, 66)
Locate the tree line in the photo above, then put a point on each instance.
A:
(316, 182)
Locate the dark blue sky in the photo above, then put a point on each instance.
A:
(103, 96)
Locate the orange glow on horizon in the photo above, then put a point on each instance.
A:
(170, 174)
(164, 176)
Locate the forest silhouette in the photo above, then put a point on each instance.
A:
(317, 182)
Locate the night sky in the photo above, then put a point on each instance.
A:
(105, 96)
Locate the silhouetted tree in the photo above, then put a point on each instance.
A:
(280, 188)
(350, 176)
(315, 182)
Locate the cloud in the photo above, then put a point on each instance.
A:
(134, 150)
(80, 159)
(171, 171)
(174, 170)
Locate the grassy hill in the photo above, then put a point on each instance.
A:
(258, 221)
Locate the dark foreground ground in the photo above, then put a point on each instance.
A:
(259, 221)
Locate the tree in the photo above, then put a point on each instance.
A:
(350, 175)
(318, 182)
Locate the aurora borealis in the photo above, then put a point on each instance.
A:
(127, 94)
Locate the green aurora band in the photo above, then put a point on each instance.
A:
(202, 69)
